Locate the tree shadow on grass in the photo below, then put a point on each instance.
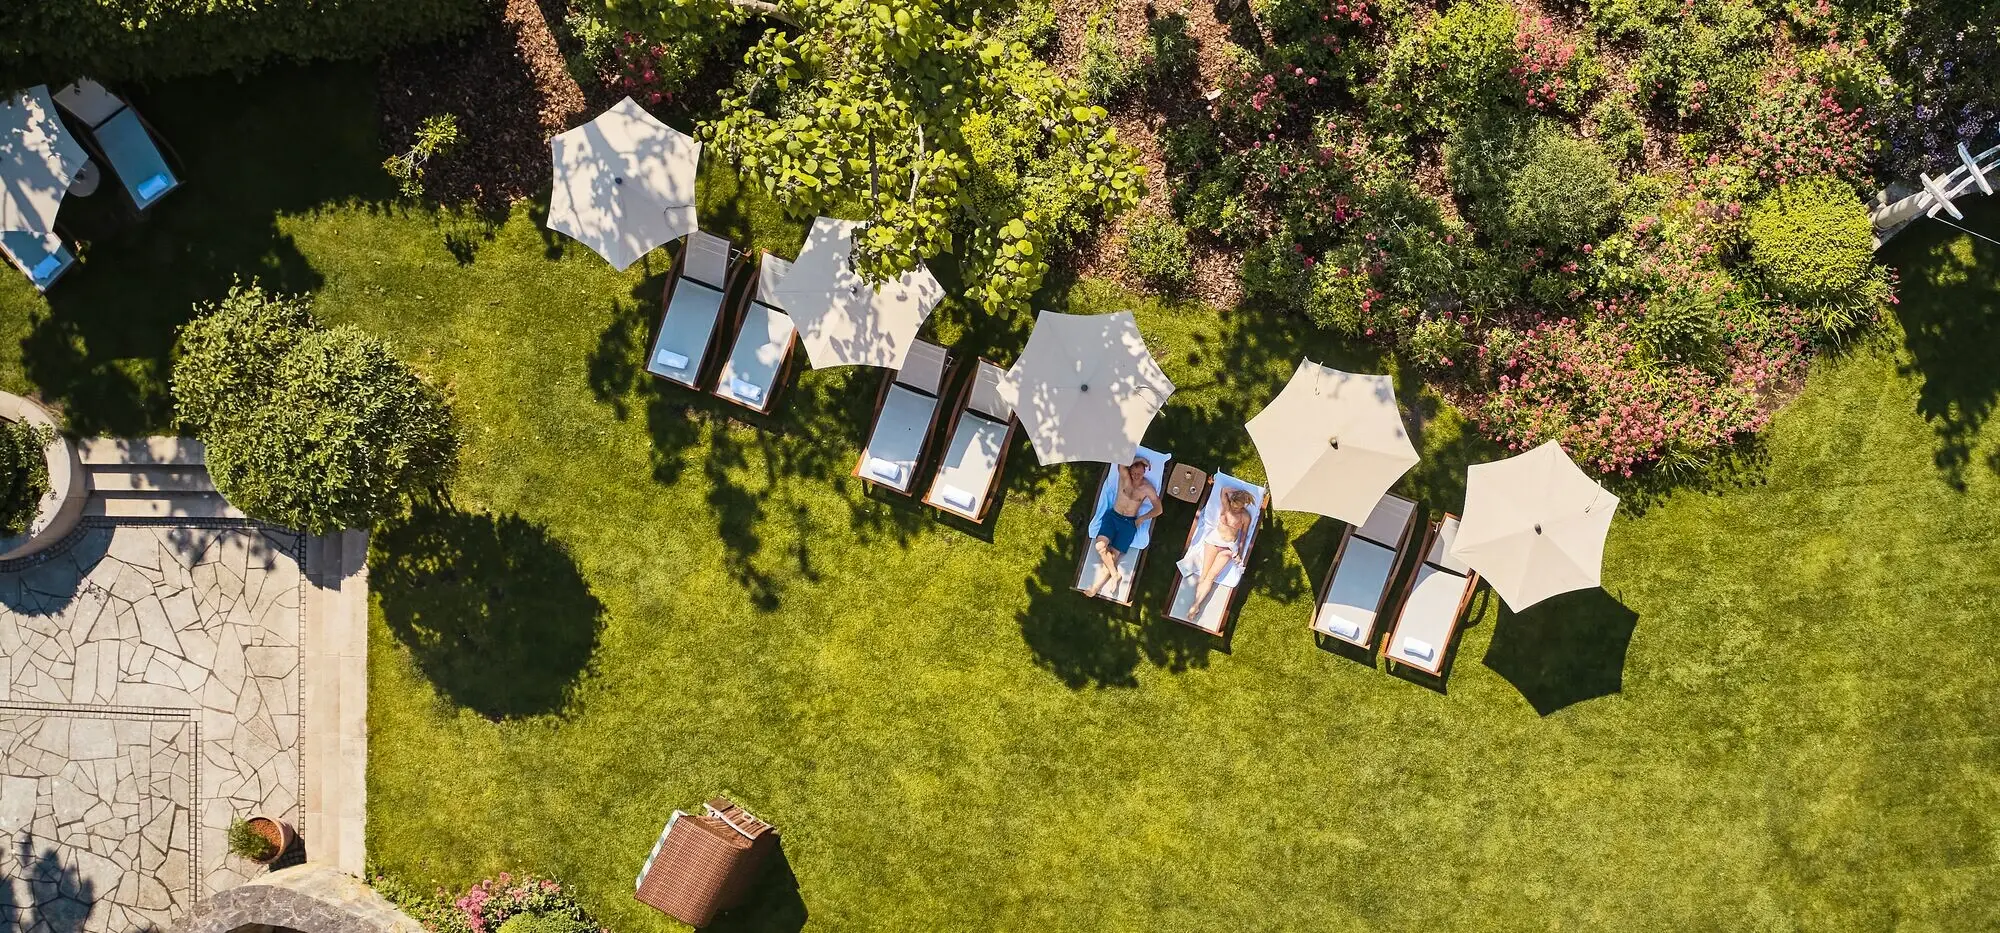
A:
(287, 142)
(494, 610)
(1950, 311)
(1565, 649)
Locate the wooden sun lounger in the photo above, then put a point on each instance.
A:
(976, 452)
(696, 303)
(1220, 608)
(1433, 604)
(123, 142)
(35, 258)
(1134, 557)
(906, 414)
(760, 355)
(1364, 564)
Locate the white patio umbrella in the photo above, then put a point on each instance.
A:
(624, 183)
(38, 161)
(1086, 387)
(842, 319)
(1534, 526)
(1332, 442)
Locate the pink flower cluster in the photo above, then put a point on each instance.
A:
(488, 904)
(1546, 55)
(1589, 387)
(1797, 128)
(642, 68)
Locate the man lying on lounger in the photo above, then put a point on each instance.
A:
(1137, 502)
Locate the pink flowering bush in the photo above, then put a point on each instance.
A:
(1592, 387)
(1797, 128)
(518, 903)
(1553, 71)
(650, 72)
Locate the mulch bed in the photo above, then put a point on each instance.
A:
(510, 89)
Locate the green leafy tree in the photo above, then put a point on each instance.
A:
(313, 428)
(862, 106)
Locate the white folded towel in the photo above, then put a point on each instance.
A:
(884, 470)
(1419, 649)
(670, 360)
(957, 498)
(151, 187)
(746, 391)
(1345, 628)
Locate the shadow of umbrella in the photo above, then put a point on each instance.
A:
(1564, 650)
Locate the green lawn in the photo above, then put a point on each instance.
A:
(1779, 716)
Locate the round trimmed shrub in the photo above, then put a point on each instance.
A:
(1157, 251)
(1812, 240)
(1564, 192)
(24, 475)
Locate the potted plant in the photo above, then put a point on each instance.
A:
(260, 839)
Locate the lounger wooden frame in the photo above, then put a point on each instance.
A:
(961, 405)
(1458, 615)
(1090, 544)
(890, 380)
(1235, 592)
(734, 300)
(785, 369)
(1388, 582)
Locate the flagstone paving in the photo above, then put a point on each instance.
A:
(152, 695)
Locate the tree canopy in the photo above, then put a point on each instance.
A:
(310, 427)
(873, 109)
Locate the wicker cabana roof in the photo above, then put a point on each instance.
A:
(704, 865)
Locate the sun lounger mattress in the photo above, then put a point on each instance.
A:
(970, 462)
(1128, 562)
(900, 434)
(1429, 616)
(1355, 595)
(135, 158)
(758, 354)
(685, 331)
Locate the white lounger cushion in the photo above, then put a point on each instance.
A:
(1128, 562)
(1390, 518)
(752, 368)
(1429, 615)
(685, 331)
(1355, 594)
(1215, 614)
(900, 433)
(970, 462)
(1440, 552)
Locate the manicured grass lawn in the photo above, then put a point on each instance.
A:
(1779, 716)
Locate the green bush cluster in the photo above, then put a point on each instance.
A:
(1565, 191)
(1812, 241)
(314, 428)
(117, 40)
(1454, 64)
(1699, 60)
(1157, 251)
(24, 475)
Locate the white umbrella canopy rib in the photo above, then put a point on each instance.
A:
(624, 183)
(1534, 526)
(38, 162)
(1086, 388)
(843, 319)
(1332, 442)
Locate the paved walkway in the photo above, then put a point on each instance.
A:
(153, 693)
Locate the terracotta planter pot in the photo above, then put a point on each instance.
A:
(278, 831)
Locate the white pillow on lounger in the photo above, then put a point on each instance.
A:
(670, 359)
(957, 498)
(884, 470)
(1345, 628)
(1419, 649)
(746, 391)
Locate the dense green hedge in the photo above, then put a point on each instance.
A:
(56, 40)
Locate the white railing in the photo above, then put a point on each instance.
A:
(1890, 217)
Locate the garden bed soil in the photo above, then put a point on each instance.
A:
(511, 90)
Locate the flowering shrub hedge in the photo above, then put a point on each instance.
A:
(1570, 256)
(516, 903)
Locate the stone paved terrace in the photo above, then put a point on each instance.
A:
(153, 692)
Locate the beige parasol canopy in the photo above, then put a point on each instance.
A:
(1332, 442)
(624, 183)
(38, 161)
(1534, 526)
(1086, 387)
(844, 320)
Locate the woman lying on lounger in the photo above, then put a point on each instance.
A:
(1136, 503)
(1228, 540)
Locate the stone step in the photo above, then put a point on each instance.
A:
(184, 505)
(182, 451)
(148, 480)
